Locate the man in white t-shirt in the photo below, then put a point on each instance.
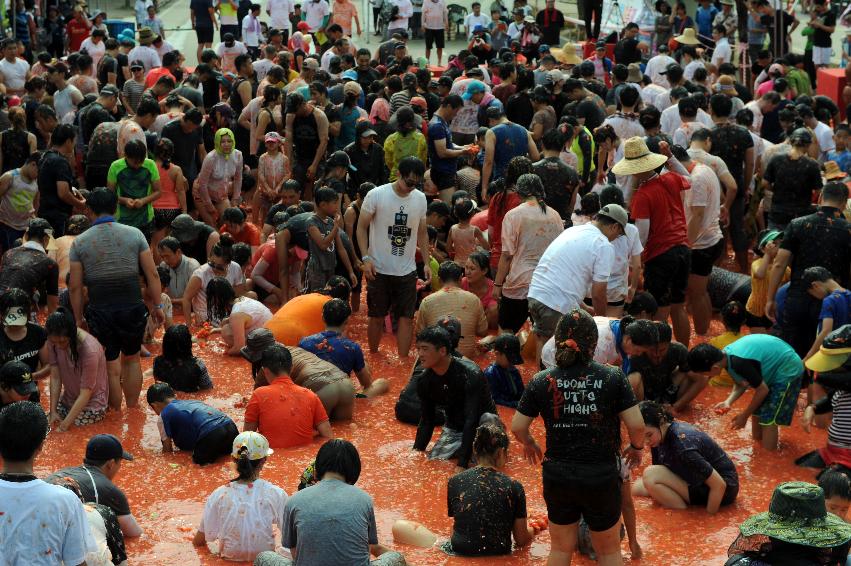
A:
(95, 47)
(391, 227)
(581, 257)
(228, 51)
(14, 72)
(406, 10)
(657, 65)
(762, 106)
(723, 52)
(279, 16)
(315, 14)
(476, 18)
(29, 505)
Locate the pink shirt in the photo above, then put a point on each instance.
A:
(88, 373)
(342, 14)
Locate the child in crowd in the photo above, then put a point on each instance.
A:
(835, 303)
(176, 366)
(323, 230)
(463, 237)
(768, 243)
(505, 383)
(841, 155)
(589, 205)
(733, 316)
(837, 492)
(272, 170)
(191, 425)
(241, 513)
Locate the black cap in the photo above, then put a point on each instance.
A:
(103, 447)
(340, 159)
(39, 228)
(445, 80)
(509, 345)
(18, 376)
(673, 70)
(137, 64)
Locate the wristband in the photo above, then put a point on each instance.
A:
(631, 445)
(159, 306)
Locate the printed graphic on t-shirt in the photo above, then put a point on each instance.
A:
(399, 233)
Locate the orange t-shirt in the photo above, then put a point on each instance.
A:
(250, 234)
(342, 14)
(300, 317)
(285, 413)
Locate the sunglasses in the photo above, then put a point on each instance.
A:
(216, 266)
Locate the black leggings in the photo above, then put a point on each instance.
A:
(593, 8)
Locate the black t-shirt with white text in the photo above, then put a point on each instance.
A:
(25, 350)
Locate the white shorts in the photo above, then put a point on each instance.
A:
(822, 55)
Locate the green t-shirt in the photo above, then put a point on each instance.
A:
(135, 184)
(800, 81)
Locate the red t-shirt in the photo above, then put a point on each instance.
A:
(267, 252)
(154, 75)
(660, 201)
(77, 32)
(250, 234)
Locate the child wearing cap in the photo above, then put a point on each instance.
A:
(768, 244)
(191, 425)
(503, 377)
(17, 384)
(241, 513)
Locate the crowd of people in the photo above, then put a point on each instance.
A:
(593, 213)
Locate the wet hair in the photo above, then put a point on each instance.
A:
(169, 242)
(517, 167)
(220, 297)
(159, 392)
(68, 483)
(733, 316)
(553, 140)
(246, 468)
(436, 336)
(23, 428)
(611, 194)
(338, 456)
(605, 133)
(336, 312)
(363, 189)
(576, 339)
(703, 356)
(450, 272)
(835, 484)
(177, 343)
(655, 415)
(666, 333)
(164, 152)
(530, 185)
(324, 194)
(687, 107)
(233, 215)
(650, 117)
(277, 359)
(589, 204)
(835, 192)
(62, 134)
(641, 332)
(432, 233)
(338, 287)
(464, 209)
(490, 439)
(410, 165)
(14, 298)
(744, 117)
(223, 248)
(164, 275)
(721, 105)
(136, 150)
(642, 302)
(61, 323)
(629, 96)
(482, 259)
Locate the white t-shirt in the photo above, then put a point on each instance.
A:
(259, 313)
(472, 20)
(206, 274)
(393, 230)
(578, 257)
(280, 13)
(406, 10)
(102, 556)
(315, 12)
(147, 55)
(626, 247)
(433, 14)
(165, 47)
(688, 72)
(705, 191)
(606, 352)
(824, 135)
(723, 52)
(625, 128)
(43, 525)
(228, 55)
(712, 161)
(95, 51)
(670, 119)
(526, 234)
(261, 68)
(65, 101)
(250, 35)
(14, 74)
(651, 94)
(241, 516)
(656, 66)
(753, 106)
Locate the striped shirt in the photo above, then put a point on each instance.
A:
(839, 431)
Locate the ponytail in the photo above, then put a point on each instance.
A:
(245, 467)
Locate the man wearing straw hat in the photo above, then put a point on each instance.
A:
(657, 207)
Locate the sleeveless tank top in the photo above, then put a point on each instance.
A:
(168, 196)
(511, 140)
(17, 204)
(258, 312)
(305, 137)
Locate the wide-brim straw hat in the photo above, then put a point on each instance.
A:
(635, 74)
(832, 170)
(566, 55)
(637, 158)
(688, 37)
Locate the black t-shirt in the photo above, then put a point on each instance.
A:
(198, 249)
(212, 93)
(693, 455)
(485, 504)
(580, 407)
(109, 64)
(107, 493)
(202, 14)
(90, 117)
(657, 377)
(30, 270)
(730, 142)
(25, 350)
(519, 109)
(185, 147)
(626, 51)
(465, 393)
(53, 168)
(822, 38)
(297, 225)
(793, 183)
(560, 182)
(819, 239)
(593, 114)
(786, 21)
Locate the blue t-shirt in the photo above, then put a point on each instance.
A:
(693, 455)
(837, 306)
(438, 129)
(842, 158)
(704, 18)
(335, 349)
(505, 384)
(187, 422)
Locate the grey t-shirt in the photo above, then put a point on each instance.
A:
(97, 488)
(325, 259)
(180, 276)
(329, 524)
(109, 252)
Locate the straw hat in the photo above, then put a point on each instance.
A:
(637, 158)
(147, 36)
(832, 171)
(725, 85)
(688, 37)
(566, 55)
(635, 74)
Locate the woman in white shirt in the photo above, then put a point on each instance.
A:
(220, 264)
(241, 514)
(238, 315)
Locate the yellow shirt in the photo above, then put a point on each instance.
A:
(723, 379)
(759, 289)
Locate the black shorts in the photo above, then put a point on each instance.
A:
(204, 34)
(435, 37)
(699, 495)
(442, 180)
(600, 506)
(300, 173)
(703, 260)
(392, 292)
(119, 328)
(666, 276)
(217, 443)
(513, 313)
(753, 321)
(164, 216)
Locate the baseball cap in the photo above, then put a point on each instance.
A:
(479, 29)
(474, 87)
(363, 129)
(340, 159)
(137, 65)
(399, 45)
(349, 75)
(310, 63)
(15, 316)
(352, 87)
(543, 48)
(18, 376)
(555, 76)
(109, 90)
(509, 345)
(272, 137)
(529, 19)
(672, 68)
(445, 80)
(254, 442)
(616, 213)
(104, 447)
(600, 44)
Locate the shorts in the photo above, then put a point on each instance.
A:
(703, 260)
(119, 328)
(699, 495)
(822, 55)
(666, 276)
(86, 416)
(218, 442)
(8, 237)
(435, 37)
(599, 506)
(442, 180)
(396, 293)
(164, 216)
(300, 172)
(779, 407)
(316, 277)
(204, 34)
(544, 319)
(513, 313)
